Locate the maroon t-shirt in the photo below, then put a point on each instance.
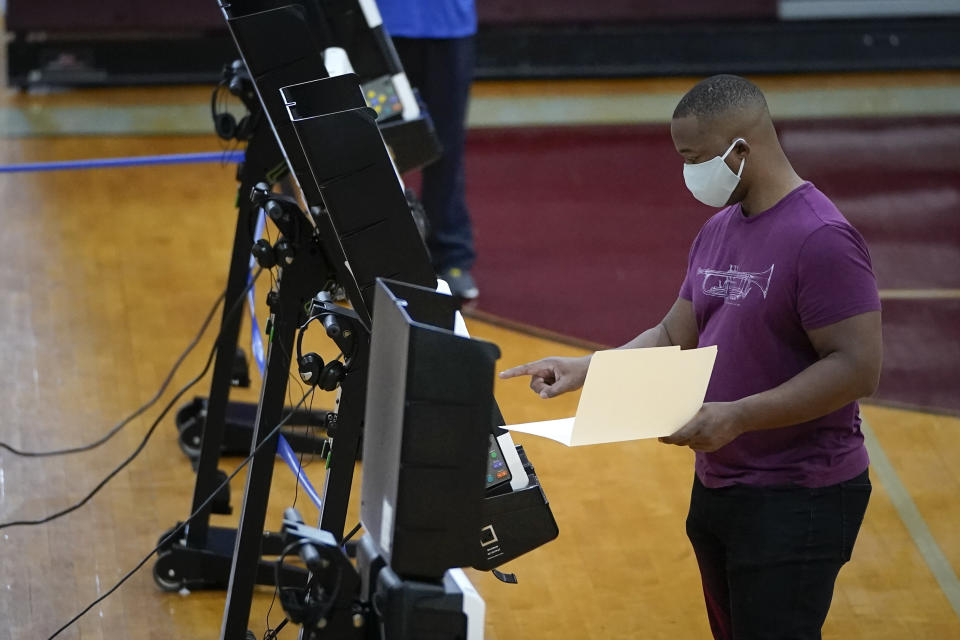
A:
(758, 284)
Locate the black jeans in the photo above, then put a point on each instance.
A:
(442, 70)
(769, 556)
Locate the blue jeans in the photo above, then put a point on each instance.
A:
(769, 556)
(442, 69)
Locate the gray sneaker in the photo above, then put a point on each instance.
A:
(461, 283)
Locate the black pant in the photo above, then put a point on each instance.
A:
(442, 69)
(769, 556)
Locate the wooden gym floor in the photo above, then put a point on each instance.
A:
(106, 276)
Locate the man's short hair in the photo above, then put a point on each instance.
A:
(719, 95)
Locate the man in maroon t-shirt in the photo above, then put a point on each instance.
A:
(783, 285)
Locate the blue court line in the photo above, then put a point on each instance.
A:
(132, 161)
(284, 449)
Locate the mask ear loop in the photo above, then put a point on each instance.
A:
(729, 149)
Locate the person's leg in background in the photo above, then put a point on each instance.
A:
(442, 70)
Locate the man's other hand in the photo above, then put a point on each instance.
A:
(716, 424)
(552, 376)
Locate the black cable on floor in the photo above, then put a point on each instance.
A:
(182, 525)
(143, 443)
(120, 425)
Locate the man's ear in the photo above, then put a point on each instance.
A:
(742, 148)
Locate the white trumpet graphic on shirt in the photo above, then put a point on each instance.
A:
(734, 285)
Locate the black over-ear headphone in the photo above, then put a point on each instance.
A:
(308, 606)
(224, 122)
(313, 371)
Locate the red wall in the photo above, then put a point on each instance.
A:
(202, 15)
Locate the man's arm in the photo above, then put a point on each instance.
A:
(678, 327)
(552, 376)
(851, 354)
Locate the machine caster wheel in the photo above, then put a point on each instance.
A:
(165, 575)
(190, 421)
(169, 543)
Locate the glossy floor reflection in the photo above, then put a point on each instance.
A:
(106, 276)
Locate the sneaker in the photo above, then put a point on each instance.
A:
(461, 283)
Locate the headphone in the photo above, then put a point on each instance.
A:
(224, 123)
(302, 605)
(268, 257)
(313, 371)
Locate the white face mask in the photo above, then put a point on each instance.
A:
(712, 182)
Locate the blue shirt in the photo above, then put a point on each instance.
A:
(429, 18)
